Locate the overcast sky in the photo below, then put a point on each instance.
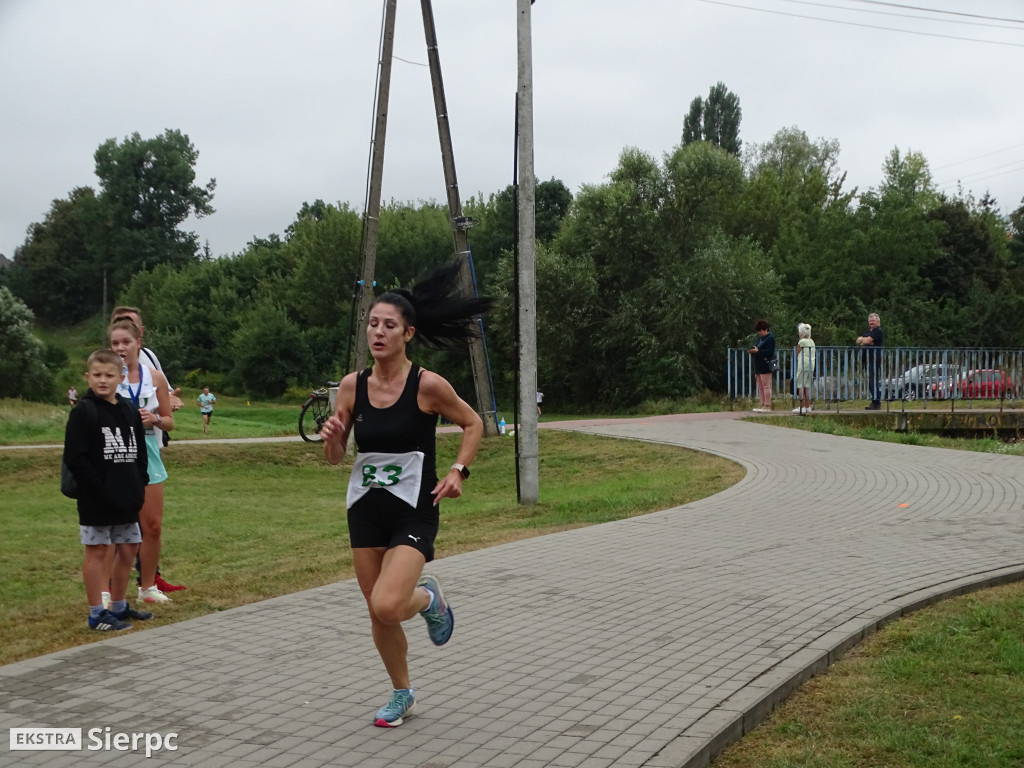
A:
(278, 96)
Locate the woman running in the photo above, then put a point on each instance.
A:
(394, 488)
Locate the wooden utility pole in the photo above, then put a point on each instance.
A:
(371, 215)
(459, 223)
(529, 482)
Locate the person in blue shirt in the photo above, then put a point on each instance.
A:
(206, 401)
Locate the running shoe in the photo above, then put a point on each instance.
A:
(164, 586)
(438, 615)
(108, 622)
(131, 613)
(393, 714)
(152, 595)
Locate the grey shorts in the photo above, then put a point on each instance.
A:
(128, 533)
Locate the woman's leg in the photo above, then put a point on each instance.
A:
(387, 578)
(764, 389)
(151, 518)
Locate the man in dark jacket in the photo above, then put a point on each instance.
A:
(105, 451)
(873, 339)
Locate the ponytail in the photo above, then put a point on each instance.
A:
(436, 309)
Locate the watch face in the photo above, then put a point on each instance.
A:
(465, 473)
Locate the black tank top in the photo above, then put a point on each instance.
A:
(399, 428)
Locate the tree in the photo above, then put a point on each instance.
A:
(704, 183)
(55, 272)
(148, 186)
(907, 180)
(496, 228)
(1016, 234)
(715, 120)
(22, 370)
(90, 241)
(270, 352)
(794, 207)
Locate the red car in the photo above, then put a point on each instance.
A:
(978, 384)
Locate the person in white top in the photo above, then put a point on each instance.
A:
(805, 360)
(147, 389)
(149, 358)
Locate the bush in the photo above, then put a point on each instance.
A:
(270, 353)
(198, 378)
(23, 372)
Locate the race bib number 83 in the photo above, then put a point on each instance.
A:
(398, 473)
(387, 475)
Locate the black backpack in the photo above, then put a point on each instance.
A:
(68, 484)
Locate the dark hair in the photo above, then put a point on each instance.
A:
(434, 307)
(761, 325)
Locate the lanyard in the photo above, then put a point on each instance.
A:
(134, 395)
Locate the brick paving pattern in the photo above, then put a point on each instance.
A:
(652, 642)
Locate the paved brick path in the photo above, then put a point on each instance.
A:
(645, 642)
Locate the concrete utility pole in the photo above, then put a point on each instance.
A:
(371, 216)
(529, 483)
(459, 224)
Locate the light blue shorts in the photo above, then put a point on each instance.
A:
(128, 533)
(154, 464)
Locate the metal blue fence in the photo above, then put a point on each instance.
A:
(904, 374)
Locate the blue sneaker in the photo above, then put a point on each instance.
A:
(402, 705)
(131, 613)
(438, 615)
(108, 622)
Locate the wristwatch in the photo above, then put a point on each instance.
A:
(463, 470)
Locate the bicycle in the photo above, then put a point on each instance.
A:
(315, 411)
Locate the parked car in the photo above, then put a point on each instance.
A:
(831, 388)
(978, 384)
(919, 380)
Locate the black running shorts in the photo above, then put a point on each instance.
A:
(380, 519)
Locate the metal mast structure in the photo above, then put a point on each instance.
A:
(459, 223)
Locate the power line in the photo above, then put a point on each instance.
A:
(905, 15)
(937, 10)
(416, 63)
(1000, 170)
(979, 157)
(865, 26)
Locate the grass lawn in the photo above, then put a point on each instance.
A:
(247, 522)
(943, 688)
(25, 423)
(820, 422)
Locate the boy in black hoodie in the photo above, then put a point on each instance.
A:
(105, 450)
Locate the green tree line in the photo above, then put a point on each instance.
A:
(643, 280)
